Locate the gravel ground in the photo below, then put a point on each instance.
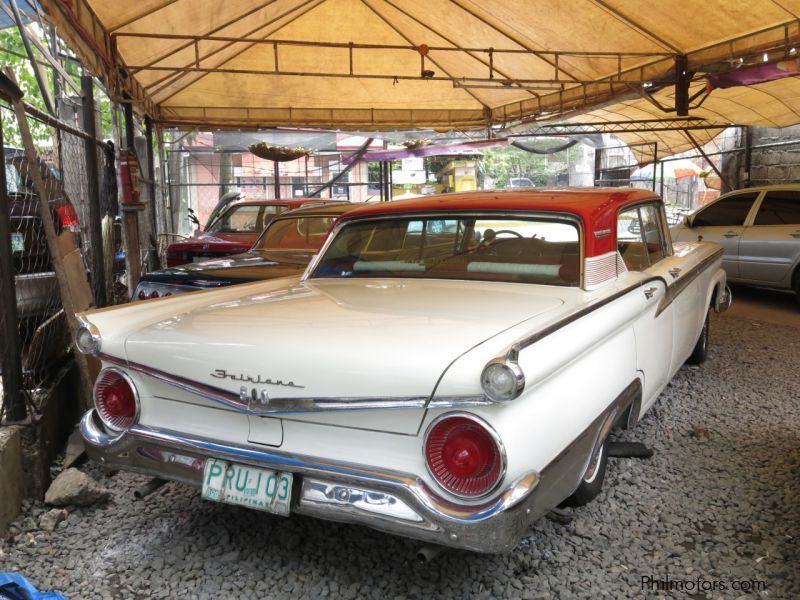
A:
(718, 501)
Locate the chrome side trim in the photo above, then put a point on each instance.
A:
(672, 292)
(278, 406)
(674, 289)
(513, 352)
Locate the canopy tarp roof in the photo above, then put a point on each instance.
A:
(442, 64)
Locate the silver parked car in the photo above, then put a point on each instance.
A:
(759, 228)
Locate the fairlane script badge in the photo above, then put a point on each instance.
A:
(223, 374)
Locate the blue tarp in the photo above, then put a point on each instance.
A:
(14, 586)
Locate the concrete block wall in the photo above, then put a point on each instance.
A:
(780, 164)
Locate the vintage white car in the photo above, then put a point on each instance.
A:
(448, 368)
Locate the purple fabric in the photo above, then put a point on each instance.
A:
(768, 71)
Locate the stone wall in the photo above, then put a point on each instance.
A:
(768, 166)
(780, 164)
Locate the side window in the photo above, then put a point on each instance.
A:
(781, 207)
(640, 237)
(630, 242)
(727, 212)
(653, 237)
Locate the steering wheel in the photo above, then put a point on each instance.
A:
(490, 247)
(515, 233)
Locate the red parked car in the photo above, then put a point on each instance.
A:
(233, 231)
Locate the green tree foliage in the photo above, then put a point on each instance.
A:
(13, 55)
(503, 163)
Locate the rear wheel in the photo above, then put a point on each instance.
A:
(592, 482)
(700, 352)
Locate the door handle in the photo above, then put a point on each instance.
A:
(730, 234)
(650, 291)
(675, 272)
(795, 234)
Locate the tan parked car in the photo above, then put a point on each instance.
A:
(759, 228)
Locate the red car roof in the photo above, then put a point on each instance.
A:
(596, 207)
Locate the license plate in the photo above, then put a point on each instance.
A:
(17, 242)
(262, 489)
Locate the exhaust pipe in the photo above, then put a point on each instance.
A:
(148, 488)
(428, 552)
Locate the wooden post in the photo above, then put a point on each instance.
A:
(58, 248)
(277, 173)
(95, 226)
(10, 359)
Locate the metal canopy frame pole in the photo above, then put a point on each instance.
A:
(151, 181)
(40, 80)
(130, 213)
(655, 164)
(748, 155)
(699, 148)
(276, 172)
(93, 188)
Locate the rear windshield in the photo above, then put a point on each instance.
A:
(302, 233)
(491, 248)
(246, 218)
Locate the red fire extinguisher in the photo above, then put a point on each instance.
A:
(129, 176)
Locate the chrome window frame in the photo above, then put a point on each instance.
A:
(665, 237)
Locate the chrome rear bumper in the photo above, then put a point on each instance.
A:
(390, 501)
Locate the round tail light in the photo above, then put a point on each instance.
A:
(115, 399)
(154, 294)
(464, 455)
(142, 295)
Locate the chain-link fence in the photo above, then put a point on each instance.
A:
(43, 340)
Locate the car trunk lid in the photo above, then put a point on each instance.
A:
(379, 339)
